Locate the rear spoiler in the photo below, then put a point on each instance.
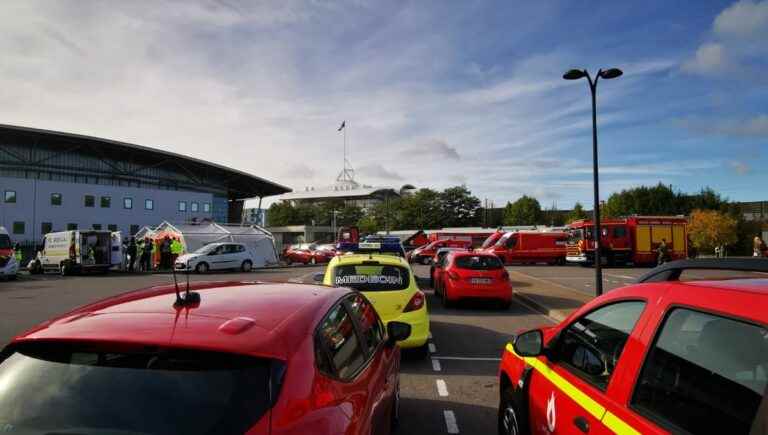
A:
(671, 271)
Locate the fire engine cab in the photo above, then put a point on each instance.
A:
(634, 239)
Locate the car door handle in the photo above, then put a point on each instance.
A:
(581, 423)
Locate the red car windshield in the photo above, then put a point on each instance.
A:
(70, 390)
(478, 262)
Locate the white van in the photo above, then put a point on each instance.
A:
(8, 265)
(75, 251)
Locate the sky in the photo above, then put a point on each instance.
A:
(434, 93)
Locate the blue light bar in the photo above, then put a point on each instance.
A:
(372, 245)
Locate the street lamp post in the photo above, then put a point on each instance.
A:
(576, 74)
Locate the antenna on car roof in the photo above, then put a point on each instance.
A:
(190, 298)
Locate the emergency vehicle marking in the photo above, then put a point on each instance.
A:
(369, 279)
(551, 415)
(597, 410)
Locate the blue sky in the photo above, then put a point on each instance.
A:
(434, 93)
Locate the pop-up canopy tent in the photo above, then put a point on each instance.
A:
(195, 236)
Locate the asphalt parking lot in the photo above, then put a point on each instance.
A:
(455, 390)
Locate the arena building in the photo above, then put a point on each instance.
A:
(53, 181)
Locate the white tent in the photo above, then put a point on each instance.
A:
(195, 236)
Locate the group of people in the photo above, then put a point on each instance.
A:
(144, 249)
(759, 249)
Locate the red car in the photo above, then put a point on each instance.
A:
(472, 275)
(424, 254)
(238, 358)
(679, 352)
(308, 254)
(435, 265)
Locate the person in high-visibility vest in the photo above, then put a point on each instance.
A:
(176, 249)
(17, 253)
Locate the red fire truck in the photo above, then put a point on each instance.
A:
(634, 239)
(475, 236)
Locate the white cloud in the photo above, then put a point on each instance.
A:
(741, 168)
(432, 149)
(755, 126)
(379, 172)
(709, 58)
(739, 32)
(744, 19)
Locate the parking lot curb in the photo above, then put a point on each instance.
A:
(534, 305)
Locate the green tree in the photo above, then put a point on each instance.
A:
(459, 207)
(576, 214)
(552, 216)
(367, 224)
(524, 211)
(421, 210)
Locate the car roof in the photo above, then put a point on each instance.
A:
(465, 253)
(254, 318)
(351, 259)
(750, 285)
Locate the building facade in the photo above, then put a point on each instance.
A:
(54, 181)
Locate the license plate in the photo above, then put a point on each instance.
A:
(480, 280)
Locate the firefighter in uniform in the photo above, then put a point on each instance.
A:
(662, 251)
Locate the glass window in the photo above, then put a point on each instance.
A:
(478, 262)
(512, 241)
(56, 199)
(71, 227)
(149, 204)
(112, 227)
(89, 201)
(134, 229)
(96, 226)
(366, 277)
(128, 203)
(45, 228)
(106, 201)
(337, 336)
(207, 207)
(697, 361)
(194, 206)
(370, 326)
(592, 345)
(10, 196)
(18, 228)
(103, 390)
(619, 232)
(182, 206)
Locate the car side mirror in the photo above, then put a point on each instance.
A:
(529, 343)
(318, 277)
(397, 331)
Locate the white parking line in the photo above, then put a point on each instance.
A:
(436, 365)
(442, 388)
(450, 422)
(465, 358)
(432, 348)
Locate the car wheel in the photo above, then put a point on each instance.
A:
(509, 415)
(247, 265)
(65, 269)
(202, 268)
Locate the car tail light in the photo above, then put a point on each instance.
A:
(416, 302)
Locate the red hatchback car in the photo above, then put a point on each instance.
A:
(244, 358)
(308, 254)
(472, 275)
(679, 352)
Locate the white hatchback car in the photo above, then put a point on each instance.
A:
(217, 256)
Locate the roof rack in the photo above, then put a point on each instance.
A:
(671, 271)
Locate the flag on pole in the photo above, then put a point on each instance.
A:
(343, 124)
